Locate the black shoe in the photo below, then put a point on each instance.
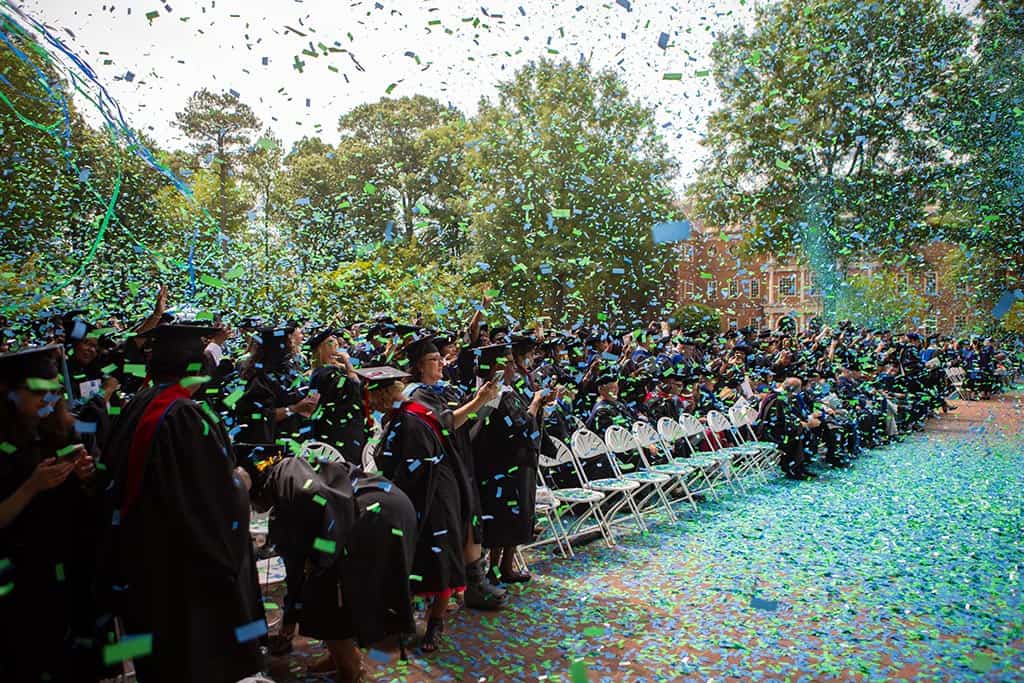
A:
(480, 593)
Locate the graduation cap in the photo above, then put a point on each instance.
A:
(605, 379)
(380, 376)
(176, 347)
(522, 342)
(35, 367)
(76, 327)
(420, 346)
(273, 342)
(487, 357)
(321, 336)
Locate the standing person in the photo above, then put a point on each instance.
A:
(348, 540)
(419, 458)
(448, 403)
(47, 540)
(505, 452)
(340, 419)
(178, 560)
(273, 405)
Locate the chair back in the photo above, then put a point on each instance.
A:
(318, 450)
(562, 454)
(369, 464)
(586, 445)
(619, 439)
(646, 435)
(690, 425)
(718, 422)
(670, 430)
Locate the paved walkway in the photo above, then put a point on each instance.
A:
(906, 566)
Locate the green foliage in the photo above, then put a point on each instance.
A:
(985, 129)
(567, 176)
(828, 138)
(880, 299)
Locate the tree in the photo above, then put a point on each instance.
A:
(408, 157)
(828, 143)
(328, 206)
(566, 177)
(219, 127)
(985, 129)
(879, 299)
(262, 176)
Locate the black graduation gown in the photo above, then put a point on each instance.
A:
(442, 403)
(379, 555)
(505, 457)
(46, 571)
(179, 564)
(340, 419)
(425, 467)
(254, 411)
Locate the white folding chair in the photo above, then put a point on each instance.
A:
(619, 440)
(671, 432)
(721, 463)
(318, 450)
(744, 460)
(586, 445)
(741, 415)
(569, 497)
(369, 464)
(958, 378)
(646, 437)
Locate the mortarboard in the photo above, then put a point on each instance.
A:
(487, 356)
(423, 344)
(37, 367)
(381, 376)
(178, 337)
(273, 342)
(321, 336)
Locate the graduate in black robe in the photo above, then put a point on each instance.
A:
(274, 404)
(339, 419)
(419, 458)
(48, 506)
(505, 451)
(457, 412)
(178, 564)
(351, 537)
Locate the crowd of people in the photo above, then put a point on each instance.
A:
(134, 455)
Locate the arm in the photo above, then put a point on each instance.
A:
(154, 318)
(486, 393)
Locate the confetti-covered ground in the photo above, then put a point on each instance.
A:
(907, 566)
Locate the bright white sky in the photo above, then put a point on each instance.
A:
(251, 47)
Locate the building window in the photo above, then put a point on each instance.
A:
(811, 291)
(688, 289)
(712, 289)
(689, 252)
(733, 323)
(905, 282)
(712, 250)
(755, 288)
(734, 288)
(755, 322)
(787, 285)
(931, 283)
(930, 325)
(962, 287)
(959, 322)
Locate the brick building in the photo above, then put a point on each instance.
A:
(758, 291)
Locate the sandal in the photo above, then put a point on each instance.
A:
(435, 627)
